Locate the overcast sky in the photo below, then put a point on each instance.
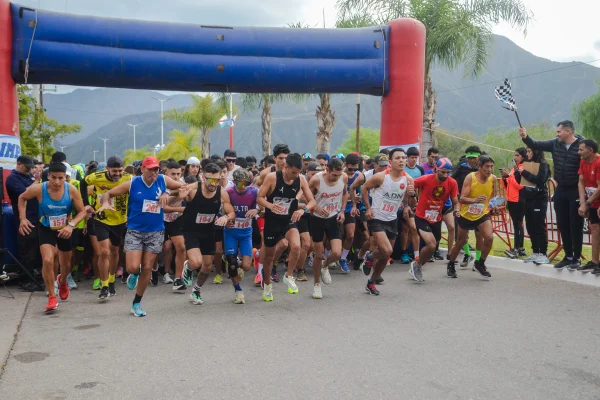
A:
(564, 33)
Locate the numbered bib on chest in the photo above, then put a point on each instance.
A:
(389, 207)
(285, 207)
(431, 215)
(170, 217)
(332, 208)
(151, 206)
(205, 218)
(589, 191)
(242, 223)
(476, 208)
(57, 221)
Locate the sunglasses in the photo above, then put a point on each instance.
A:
(240, 184)
(213, 181)
(230, 160)
(352, 169)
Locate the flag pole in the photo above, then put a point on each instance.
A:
(231, 120)
(518, 119)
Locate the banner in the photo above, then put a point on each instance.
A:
(10, 150)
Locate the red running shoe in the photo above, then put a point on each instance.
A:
(63, 289)
(255, 255)
(52, 304)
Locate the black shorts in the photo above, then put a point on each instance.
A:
(319, 227)
(349, 219)
(469, 225)
(447, 209)
(174, 228)
(77, 238)
(219, 235)
(205, 242)
(389, 227)
(276, 229)
(593, 216)
(423, 225)
(48, 236)
(304, 223)
(115, 233)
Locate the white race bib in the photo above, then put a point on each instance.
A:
(285, 206)
(242, 223)
(476, 208)
(151, 206)
(170, 217)
(431, 215)
(57, 221)
(205, 218)
(389, 207)
(589, 191)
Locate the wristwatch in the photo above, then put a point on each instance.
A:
(587, 203)
(71, 224)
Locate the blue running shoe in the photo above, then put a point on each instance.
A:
(344, 266)
(132, 281)
(404, 259)
(136, 309)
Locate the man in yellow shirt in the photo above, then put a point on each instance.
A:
(478, 188)
(108, 227)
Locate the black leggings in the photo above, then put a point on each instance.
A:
(535, 220)
(517, 213)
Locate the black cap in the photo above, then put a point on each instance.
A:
(115, 162)
(26, 161)
(314, 166)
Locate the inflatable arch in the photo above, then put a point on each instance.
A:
(38, 46)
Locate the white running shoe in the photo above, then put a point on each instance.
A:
(326, 276)
(290, 281)
(317, 294)
(239, 298)
(267, 294)
(167, 279)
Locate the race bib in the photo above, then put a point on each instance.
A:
(476, 208)
(205, 218)
(151, 206)
(332, 208)
(57, 221)
(170, 217)
(589, 191)
(286, 208)
(242, 223)
(432, 215)
(389, 207)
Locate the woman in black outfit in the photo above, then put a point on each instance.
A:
(515, 202)
(536, 205)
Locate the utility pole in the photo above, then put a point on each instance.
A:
(95, 151)
(134, 149)
(104, 148)
(62, 148)
(358, 123)
(162, 119)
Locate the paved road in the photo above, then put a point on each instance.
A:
(518, 336)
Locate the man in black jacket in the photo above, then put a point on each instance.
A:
(565, 155)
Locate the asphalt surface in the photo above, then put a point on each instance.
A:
(518, 336)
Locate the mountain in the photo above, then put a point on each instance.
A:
(544, 90)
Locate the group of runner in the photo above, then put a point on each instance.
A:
(321, 209)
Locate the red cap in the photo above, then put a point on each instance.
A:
(150, 162)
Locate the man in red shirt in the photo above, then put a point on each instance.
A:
(589, 198)
(435, 190)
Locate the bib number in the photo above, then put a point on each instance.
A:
(285, 206)
(388, 207)
(589, 191)
(170, 217)
(58, 221)
(476, 208)
(151, 206)
(242, 223)
(432, 215)
(205, 218)
(332, 208)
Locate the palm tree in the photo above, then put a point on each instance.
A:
(459, 32)
(181, 145)
(139, 154)
(204, 114)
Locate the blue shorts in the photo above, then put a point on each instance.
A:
(234, 238)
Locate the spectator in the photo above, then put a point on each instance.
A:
(515, 202)
(432, 155)
(564, 150)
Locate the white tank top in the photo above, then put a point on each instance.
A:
(328, 197)
(388, 197)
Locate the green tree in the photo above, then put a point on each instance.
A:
(139, 154)
(459, 32)
(453, 144)
(587, 116)
(204, 115)
(369, 142)
(37, 130)
(181, 145)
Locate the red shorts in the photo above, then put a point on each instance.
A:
(260, 221)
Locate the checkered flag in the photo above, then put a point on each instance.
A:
(504, 94)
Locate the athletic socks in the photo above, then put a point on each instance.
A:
(196, 288)
(467, 249)
(477, 255)
(260, 268)
(345, 253)
(105, 283)
(111, 278)
(137, 299)
(237, 287)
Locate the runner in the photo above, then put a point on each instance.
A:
(350, 221)
(238, 233)
(56, 200)
(199, 219)
(435, 189)
(174, 242)
(409, 229)
(219, 253)
(389, 189)
(278, 196)
(145, 224)
(478, 188)
(107, 228)
(330, 193)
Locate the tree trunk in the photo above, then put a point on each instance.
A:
(266, 128)
(325, 124)
(206, 144)
(427, 139)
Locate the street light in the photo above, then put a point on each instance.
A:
(62, 148)
(104, 148)
(162, 119)
(134, 135)
(95, 151)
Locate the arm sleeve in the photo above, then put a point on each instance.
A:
(83, 188)
(540, 178)
(544, 145)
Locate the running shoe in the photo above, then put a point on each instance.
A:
(573, 266)
(357, 262)
(71, 282)
(255, 257)
(317, 294)
(481, 268)
(532, 258)
(97, 284)
(541, 259)
(404, 259)
(132, 281)
(124, 277)
(565, 262)
(103, 293)
(178, 285)
(326, 276)
(466, 261)
(119, 272)
(301, 276)
(588, 267)
(154, 278)
(257, 279)
(344, 266)
(187, 275)
(311, 258)
(367, 264)
(596, 271)
(239, 298)
(389, 262)
(63, 289)
(267, 294)
(521, 253)
(451, 270)
(111, 289)
(291, 284)
(437, 255)
(379, 281)
(167, 279)
(196, 298)
(512, 253)
(274, 276)
(137, 311)
(372, 289)
(415, 272)
(52, 304)
(218, 279)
